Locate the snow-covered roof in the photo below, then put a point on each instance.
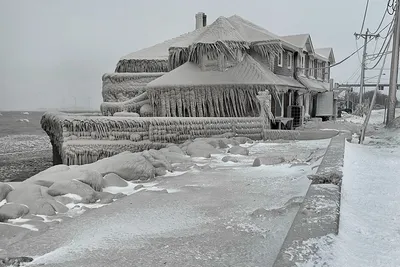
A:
(248, 71)
(314, 85)
(160, 51)
(300, 40)
(234, 28)
(326, 53)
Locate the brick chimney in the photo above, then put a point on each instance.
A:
(201, 20)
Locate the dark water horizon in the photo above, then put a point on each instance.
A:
(25, 149)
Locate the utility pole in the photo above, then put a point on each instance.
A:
(394, 69)
(367, 36)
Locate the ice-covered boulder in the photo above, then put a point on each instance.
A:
(47, 178)
(129, 166)
(175, 149)
(4, 190)
(157, 159)
(266, 160)
(74, 187)
(243, 140)
(201, 149)
(174, 157)
(113, 179)
(36, 198)
(238, 150)
(230, 158)
(12, 211)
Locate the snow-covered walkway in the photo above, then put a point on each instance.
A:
(369, 229)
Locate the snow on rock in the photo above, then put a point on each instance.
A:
(25, 113)
(173, 148)
(230, 158)
(174, 157)
(87, 193)
(157, 159)
(113, 179)
(126, 114)
(12, 211)
(48, 177)
(201, 149)
(129, 166)
(35, 198)
(238, 150)
(4, 190)
(267, 161)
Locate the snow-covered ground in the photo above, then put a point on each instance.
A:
(369, 231)
(208, 205)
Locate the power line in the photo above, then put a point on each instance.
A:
(338, 63)
(380, 24)
(380, 53)
(365, 17)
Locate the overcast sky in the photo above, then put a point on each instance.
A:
(52, 51)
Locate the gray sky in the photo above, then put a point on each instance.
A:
(52, 51)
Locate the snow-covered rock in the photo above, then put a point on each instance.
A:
(159, 156)
(48, 177)
(175, 149)
(200, 149)
(12, 211)
(242, 140)
(267, 161)
(174, 157)
(113, 179)
(230, 158)
(4, 190)
(35, 197)
(129, 166)
(238, 150)
(75, 187)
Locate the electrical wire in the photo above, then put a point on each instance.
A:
(383, 54)
(358, 54)
(340, 62)
(379, 54)
(357, 71)
(391, 7)
(380, 24)
(365, 17)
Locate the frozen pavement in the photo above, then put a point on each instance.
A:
(369, 233)
(218, 214)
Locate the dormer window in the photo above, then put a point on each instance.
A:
(280, 59)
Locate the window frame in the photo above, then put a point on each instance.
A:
(289, 60)
(280, 58)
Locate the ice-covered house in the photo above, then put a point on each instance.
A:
(199, 84)
(311, 71)
(285, 60)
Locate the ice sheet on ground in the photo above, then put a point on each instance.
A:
(26, 226)
(369, 233)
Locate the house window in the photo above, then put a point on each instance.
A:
(302, 64)
(289, 60)
(280, 59)
(311, 68)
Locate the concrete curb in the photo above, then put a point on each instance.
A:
(318, 215)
